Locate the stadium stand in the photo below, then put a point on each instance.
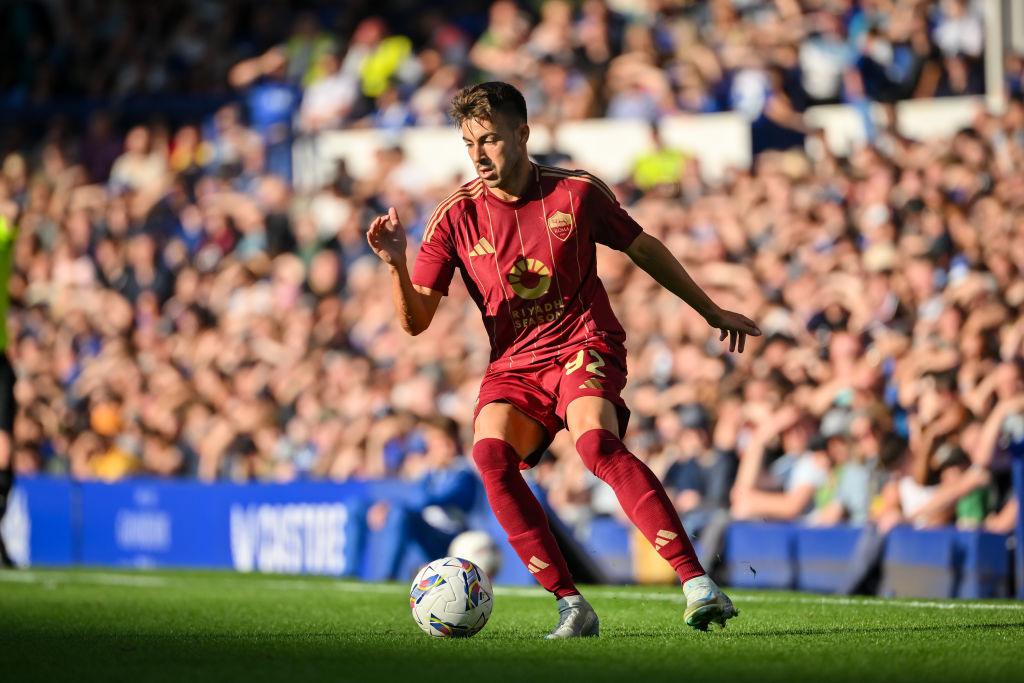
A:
(185, 309)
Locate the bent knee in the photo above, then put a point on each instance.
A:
(597, 447)
(504, 422)
(492, 454)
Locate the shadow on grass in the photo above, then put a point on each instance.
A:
(879, 629)
(415, 638)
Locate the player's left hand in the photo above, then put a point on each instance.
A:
(735, 326)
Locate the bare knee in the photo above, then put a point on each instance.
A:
(588, 413)
(503, 421)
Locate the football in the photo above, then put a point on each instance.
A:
(479, 548)
(451, 598)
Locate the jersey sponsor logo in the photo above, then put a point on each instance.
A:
(536, 314)
(529, 278)
(560, 225)
(481, 248)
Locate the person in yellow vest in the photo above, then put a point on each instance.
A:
(378, 57)
(8, 234)
(660, 169)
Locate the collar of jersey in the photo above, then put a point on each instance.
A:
(521, 201)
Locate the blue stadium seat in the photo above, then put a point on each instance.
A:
(823, 557)
(761, 555)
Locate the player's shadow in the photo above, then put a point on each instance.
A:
(797, 632)
(878, 629)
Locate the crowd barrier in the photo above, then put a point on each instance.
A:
(320, 528)
(921, 563)
(298, 528)
(719, 141)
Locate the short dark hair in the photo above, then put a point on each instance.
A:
(482, 101)
(443, 424)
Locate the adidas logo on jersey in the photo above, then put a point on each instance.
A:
(482, 248)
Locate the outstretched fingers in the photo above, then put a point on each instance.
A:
(393, 217)
(736, 327)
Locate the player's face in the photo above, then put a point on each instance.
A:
(496, 148)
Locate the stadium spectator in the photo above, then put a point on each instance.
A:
(327, 101)
(272, 102)
(888, 277)
(786, 488)
(498, 53)
(445, 493)
(142, 166)
(8, 405)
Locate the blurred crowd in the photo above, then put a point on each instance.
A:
(179, 310)
(394, 64)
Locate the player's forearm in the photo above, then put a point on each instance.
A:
(655, 258)
(413, 315)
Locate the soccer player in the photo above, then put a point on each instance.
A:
(524, 237)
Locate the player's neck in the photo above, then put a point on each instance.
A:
(517, 185)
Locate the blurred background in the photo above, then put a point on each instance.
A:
(209, 371)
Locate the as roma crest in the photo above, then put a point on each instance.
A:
(560, 225)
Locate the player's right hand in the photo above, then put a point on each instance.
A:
(387, 238)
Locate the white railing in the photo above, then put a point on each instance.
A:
(608, 147)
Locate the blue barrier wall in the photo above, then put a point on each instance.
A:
(314, 528)
(298, 528)
(1018, 490)
(320, 528)
(38, 527)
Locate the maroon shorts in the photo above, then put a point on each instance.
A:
(543, 391)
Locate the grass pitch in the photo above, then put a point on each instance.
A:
(173, 626)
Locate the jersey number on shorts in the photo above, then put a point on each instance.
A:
(594, 367)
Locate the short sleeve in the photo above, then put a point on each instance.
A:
(807, 472)
(612, 226)
(436, 262)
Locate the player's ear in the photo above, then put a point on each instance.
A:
(523, 134)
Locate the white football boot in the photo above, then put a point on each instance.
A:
(706, 604)
(576, 619)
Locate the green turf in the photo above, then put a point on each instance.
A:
(175, 626)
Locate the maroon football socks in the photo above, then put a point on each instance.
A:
(521, 516)
(642, 498)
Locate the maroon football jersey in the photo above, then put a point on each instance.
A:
(530, 265)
